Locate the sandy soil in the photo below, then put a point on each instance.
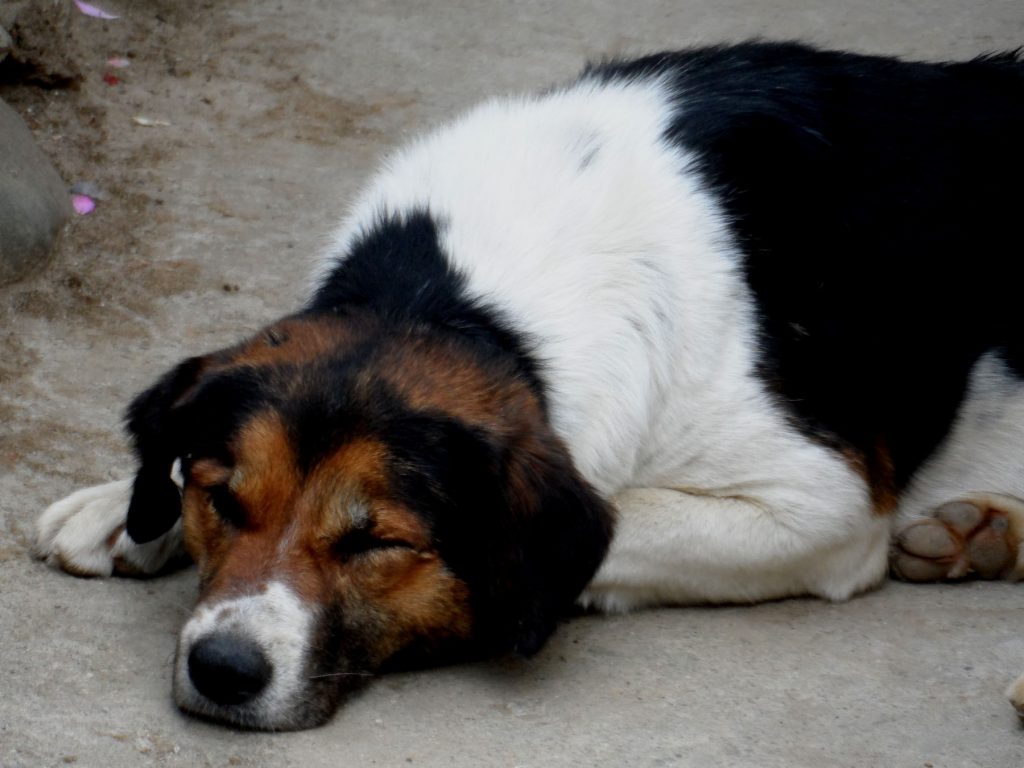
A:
(275, 112)
(218, 88)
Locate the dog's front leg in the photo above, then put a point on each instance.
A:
(673, 546)
(84, 534)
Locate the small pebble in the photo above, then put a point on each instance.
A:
(83, 204)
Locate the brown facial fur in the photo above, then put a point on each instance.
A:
(291, 340)
(432, 376)
(399, 479)
(429, 374)
(294, 340)
(297, 480)
(292, 523)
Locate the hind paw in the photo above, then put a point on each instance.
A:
(976, 536)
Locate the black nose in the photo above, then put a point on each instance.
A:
(228, 669)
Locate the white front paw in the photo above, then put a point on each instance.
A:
(1015, 694)
(84, 534)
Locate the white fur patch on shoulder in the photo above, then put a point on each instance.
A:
(84, 535)
(570, 215)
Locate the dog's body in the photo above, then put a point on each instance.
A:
(759, 300)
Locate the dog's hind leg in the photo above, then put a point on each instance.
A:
(84, 534)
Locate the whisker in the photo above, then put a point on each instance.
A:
(341, 674)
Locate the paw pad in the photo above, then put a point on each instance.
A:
(977, 537)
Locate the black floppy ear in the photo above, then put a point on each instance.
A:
(156, 501)
(558, 531)
(527, 533)
(511, 517)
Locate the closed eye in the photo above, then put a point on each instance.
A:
(227, 506)
(360, 541)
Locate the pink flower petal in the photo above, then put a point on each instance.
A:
(91, 10)
(83, 204)
(117, 62)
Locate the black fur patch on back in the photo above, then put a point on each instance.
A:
(398, 272)
(877, 205)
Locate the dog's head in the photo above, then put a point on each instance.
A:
(356, 497)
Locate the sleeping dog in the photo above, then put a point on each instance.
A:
(721, 325)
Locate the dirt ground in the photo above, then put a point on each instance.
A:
(268, 114)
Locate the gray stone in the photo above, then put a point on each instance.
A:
(5, 43)
(34, 201)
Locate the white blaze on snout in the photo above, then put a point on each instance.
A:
(280, 624)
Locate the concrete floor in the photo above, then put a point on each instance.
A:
(906, 676)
